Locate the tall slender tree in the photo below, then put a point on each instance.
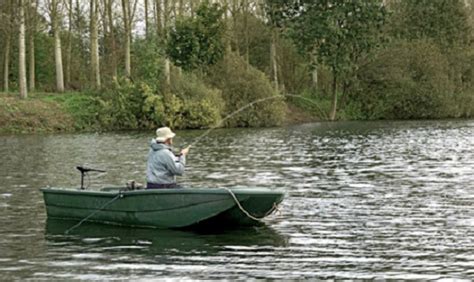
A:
(128, 12)
(94, 34)
(147, 24)
(70, 9)
(22, 50)
(8, 19)
(165, 28)
(55, 10)
(32, 19)
(108, 7)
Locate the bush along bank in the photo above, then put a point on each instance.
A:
(192, 101)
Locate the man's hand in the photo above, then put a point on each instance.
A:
(185, 151)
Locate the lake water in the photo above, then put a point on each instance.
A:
(364, 200)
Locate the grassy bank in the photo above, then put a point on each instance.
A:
(46, 112)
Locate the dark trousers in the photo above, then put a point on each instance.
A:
(161, 186)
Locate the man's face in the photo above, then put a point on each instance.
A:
(169, 141)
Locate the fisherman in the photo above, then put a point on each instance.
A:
(163, 165)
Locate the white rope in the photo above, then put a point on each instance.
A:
(246, 212)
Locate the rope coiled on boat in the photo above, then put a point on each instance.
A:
(245, 211)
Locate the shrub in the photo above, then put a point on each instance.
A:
(191, 104)
(407, 80)
(188, 104)
(122, 104)
(242, 84)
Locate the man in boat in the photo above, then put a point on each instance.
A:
(163, 165)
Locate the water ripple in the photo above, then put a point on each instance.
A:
(375, 200)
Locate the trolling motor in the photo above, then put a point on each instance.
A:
(84, 171)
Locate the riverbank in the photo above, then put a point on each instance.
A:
(75, 112)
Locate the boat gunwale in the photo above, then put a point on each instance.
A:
(196, 191)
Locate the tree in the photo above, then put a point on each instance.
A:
(94, 32)
(22, 51)
(32, 23)
(128, 12)
(109, 30)
(7, 22)
(446, 22)
(339, 32)
(55, 10)
(198, 42)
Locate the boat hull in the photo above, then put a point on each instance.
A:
(161, 208)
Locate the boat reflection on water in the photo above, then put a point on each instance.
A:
(159, 240)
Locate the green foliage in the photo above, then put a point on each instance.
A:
(337, 32)
(242, 84)
(192, 104)
(84, 108)
(197, 42)
(121, 105)
(407, 80)
(189, 104)
(445, 22)
(147, 60)
(45, 71)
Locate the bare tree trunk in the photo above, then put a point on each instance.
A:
(158, 17)
(181, 8)
(228, 30)
(6, 63)
(165, 27)
(332, 116)
(147, 29)
(112, 37)
(22, 51)
(314, 78)
(126, 22)
(6, 54)
(191, 7)
(31, 39)
(246, 32)
(94, 31)
(273, 59)
(55, 15)
(314, 73)
(69, 46)
(58, 61)
(234, 17)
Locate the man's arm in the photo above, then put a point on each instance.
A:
(176, 167)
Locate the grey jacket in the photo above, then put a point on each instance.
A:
(163, 166)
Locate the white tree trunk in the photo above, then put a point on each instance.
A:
(127, 27)
(314, 76)
(69, 46)
(167, 72)
(22, 51)
(332, 115)
(58, 59)
(32, 65)
(273, 57)
(95, 67)
(6, 64)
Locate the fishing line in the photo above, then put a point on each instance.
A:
(199, 138)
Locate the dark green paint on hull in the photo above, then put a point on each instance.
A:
(162, 208)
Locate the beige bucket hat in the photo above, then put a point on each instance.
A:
(164, 133)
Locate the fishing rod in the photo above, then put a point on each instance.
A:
(279, 96)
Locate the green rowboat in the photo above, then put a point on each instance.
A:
(163, 208)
